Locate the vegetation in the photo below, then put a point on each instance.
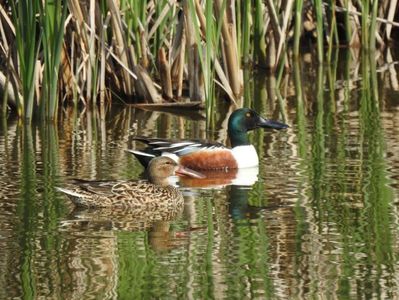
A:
(167, 50)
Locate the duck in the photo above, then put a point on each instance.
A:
(204, 155)
(153, 195)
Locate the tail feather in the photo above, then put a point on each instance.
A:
(76, 198)
(143, 157)
(70, 192)
(147, 140)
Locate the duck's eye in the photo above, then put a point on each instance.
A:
(248, 114)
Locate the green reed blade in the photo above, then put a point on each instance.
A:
(365, 23)
(333, 35)
(373, 24)
(319, 29)
(27, 46)
(347, 23)
(210, 35)
(52, 17)
(298, 26)
(246, 31)
(259, 33)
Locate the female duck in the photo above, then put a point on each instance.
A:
(200, 155)
(154, 194)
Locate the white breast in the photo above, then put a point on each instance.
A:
(245, 156)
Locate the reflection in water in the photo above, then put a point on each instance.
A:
(317, 219)
(221, 178)
(114, 218)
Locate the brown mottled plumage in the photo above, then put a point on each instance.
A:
(153, 195)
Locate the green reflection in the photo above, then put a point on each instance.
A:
(27, 211)
(375, 219)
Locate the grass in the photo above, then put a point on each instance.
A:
(167, 51)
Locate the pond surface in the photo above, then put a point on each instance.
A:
(320, 220)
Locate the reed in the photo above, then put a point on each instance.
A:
(246, 31)
(159, 51)
(52, 16)
(365, 23)
(298, 26)
(259, 33)
(27, 38)
(211, 33)
(333, 34)
(373, 25)
(319, 30)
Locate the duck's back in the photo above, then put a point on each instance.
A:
(123, 194)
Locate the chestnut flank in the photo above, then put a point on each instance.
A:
(209, 160)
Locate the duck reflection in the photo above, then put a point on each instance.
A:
(157, 224)
(239, 206)
(112, 218)
(245, 177)
(104, 245)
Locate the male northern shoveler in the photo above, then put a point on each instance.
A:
(154, 194)
(200, 155)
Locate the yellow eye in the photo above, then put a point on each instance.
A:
(248, 114)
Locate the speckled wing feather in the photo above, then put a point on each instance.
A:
(125, 194)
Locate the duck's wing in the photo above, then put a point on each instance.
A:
(99, 193)
(96, 187)
(157, 147)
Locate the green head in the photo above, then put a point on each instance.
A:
(243, 120)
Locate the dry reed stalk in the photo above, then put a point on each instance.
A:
(177, 57)
(161, 17)
(144, 50)
(6, 86)
(66, 71)
(39, 70)
(145, 87)
(76, 11)
(164, 72)
(229, 50)
(276, 36)
(121, 48)
(224, 82)
(283, 37)
(276, 30)
(231, 18)
(271, 52)
(7, 28)
(198, 79)
(201, 17)
(79, 34)
(392, 71)
(391, 14)
(196, 87)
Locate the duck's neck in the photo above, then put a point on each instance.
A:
(160, 181)
(238, 138)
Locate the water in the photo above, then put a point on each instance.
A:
(320, 221)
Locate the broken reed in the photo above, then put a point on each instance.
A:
(157, 51)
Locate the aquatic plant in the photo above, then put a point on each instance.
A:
(167, 51)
